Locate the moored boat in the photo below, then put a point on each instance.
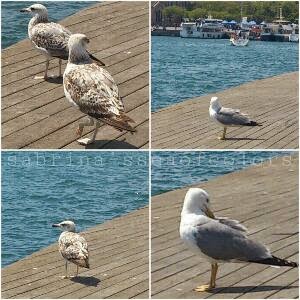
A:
(203, 29)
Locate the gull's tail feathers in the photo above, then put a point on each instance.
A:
(276, 261)
(120, 122)
(254, 123)
(98, 61)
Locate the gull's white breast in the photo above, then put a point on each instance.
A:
(188, 229)
(212, 115)
(68, 69)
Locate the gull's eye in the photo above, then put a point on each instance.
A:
(32, 8)
(207, 200)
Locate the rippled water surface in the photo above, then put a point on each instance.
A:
(39, 189)
(14, 23)
(173, 170)
(186, 68)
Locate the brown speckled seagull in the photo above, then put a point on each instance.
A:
(93, 91)
(49, 38)
(72, 246)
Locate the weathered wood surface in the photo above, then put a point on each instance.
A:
(119, 259)
(36, 114)
(273, 101)
(265, 199)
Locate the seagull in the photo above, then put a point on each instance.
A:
(50, 39)
(228, 117)
(93, 91)
(220, 239)
(72, 246)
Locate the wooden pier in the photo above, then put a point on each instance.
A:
(272, 101)
(36, 114)
(265, 199)
(119, 260)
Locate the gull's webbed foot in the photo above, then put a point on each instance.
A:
(203, 288)
(85, 141)
(48, 77)
(222, 138)
(79, 131)
(40, 77)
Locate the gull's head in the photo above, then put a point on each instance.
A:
(214, 103)
(66, 226)
(36, 9)
(196, 201)
(78, 40)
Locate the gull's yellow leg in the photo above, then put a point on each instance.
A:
(212, 284)
(77, 271)
(223, 137)
(214, 270)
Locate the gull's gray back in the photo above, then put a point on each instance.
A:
(231, 117)
(223, 243)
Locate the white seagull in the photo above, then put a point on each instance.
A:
(93, 91)
(50, 39)
(72, 246)
(219, 239)
(228, 117)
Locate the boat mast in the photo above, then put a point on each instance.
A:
(241, 11)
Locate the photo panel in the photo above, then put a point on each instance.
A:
(224, 75)
(219, 220)
(75, 74)
(75, 224)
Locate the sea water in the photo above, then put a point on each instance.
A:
(42, 188)
(173, 170)
(184, 68)
(14, 23)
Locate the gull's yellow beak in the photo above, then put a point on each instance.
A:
(209, 213)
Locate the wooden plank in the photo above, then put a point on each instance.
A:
(256, 196)
(272, 101)
(35, 113)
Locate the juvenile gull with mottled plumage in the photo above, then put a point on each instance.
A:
(49, 38)
(220, 239)
(72, 246)
(93, 91)
(228, 117)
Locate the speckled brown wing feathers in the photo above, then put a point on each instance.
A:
(74, 248)
(52, 37)
(94, 91)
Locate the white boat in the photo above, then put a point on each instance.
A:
(203, 29)
(240, 42)
(294, 38)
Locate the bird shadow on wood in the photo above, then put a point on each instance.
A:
(242, 139)
(252, 289)
(86, 280)
(56, 80)
(110, 144)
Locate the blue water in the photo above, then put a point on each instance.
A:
(173, 170)
(186, 68)
(42, 188)
(14, 24)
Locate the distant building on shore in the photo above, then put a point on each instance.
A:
(157, 18)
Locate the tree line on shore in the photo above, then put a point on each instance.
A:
(231, 10)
